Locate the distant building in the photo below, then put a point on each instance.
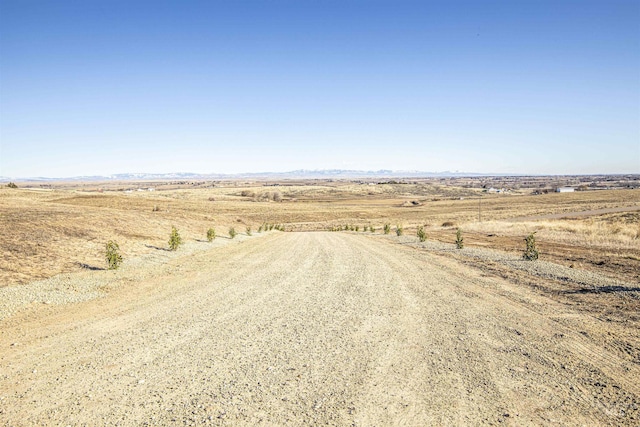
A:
(565, 190)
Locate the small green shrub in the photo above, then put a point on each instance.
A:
(422, 236)
(371, 229)
(459, 239)
(530, 252)
(174, 239)
(211, 234)
(12, 185)
(357, 228)
(387, 228)
(260, 228)
(232, 232)
(248, 230)
(112, 255)
(399, 230)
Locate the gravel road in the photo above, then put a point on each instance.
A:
(311, 329)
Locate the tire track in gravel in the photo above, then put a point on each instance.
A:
(311, 329)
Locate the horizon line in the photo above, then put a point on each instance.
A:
(298, 173)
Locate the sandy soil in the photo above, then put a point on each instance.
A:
(315, 329)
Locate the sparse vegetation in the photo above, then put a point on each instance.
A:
(399, 230)
(422, 236)
(232, 232)
(530, 252)
(12, 185)
(112, 255)
(371, 229)
(211, 234)
(459, 239)
(62, 235)
(174, 239)
(156, 208)
(387, 228)
(248, 230)
(357, 228)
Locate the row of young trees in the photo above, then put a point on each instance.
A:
(114, 257)
(530, 253)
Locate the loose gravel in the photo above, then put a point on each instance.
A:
(335, 329)
(539, 268)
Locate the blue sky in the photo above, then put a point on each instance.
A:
(101, 87)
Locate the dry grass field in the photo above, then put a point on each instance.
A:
(65, 228)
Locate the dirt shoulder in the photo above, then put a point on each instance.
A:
(317, 328)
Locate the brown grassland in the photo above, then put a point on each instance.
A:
(65, 228)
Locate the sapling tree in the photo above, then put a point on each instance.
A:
(174, 239)
(459, 239)
(112, 255)
(422, 236)
(530, 252)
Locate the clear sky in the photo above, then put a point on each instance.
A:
(96, 87)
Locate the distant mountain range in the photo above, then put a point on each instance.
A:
(296, 174)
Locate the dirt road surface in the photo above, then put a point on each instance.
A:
(315, 329)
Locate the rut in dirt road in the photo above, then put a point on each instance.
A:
(308, 329)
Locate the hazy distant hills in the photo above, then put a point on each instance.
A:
(296, 174)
